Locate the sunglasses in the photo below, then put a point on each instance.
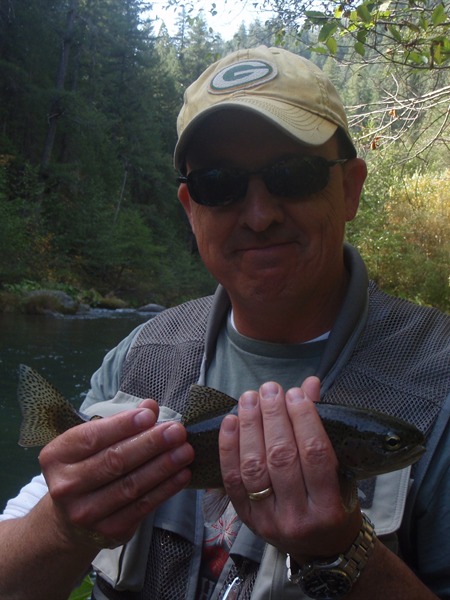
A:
(294, 177)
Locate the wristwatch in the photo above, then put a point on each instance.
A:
(334, 579)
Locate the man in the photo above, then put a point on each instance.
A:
(269, 177)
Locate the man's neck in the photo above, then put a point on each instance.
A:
(289, 322)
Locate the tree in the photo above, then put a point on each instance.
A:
(408, 41)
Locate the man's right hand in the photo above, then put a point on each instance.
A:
(106, 475)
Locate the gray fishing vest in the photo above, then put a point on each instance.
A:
(383, 353)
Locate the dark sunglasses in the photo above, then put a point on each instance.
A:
(295, 177)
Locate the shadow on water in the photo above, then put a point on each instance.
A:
(66, 351)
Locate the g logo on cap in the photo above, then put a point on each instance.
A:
(241, 75)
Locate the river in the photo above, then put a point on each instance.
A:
(66, 351)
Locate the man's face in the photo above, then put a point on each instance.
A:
(264, 248)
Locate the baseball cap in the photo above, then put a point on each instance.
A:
(284, 88)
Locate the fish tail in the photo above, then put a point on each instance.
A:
(45, 412)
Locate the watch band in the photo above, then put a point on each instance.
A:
(348, 566)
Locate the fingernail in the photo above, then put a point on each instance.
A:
(269, 390)
(229, 424)
(249, 400)
(295, 395)
(144, 419)
(174, 434)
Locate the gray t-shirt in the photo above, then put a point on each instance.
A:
(241, 363)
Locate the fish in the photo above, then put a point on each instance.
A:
(367, 443)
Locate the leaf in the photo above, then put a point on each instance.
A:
(412, 26)
(332, 45)
(315, 15)
(361, 36)
(436, 51)
(327, 31)
(395, 33)
(417, 58)
(364, 13)
(84, 591)
(438, 15)
(360, 48)
(319, 50)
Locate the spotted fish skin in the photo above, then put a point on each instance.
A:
(45, 412)
(206, 410)
(366, 443)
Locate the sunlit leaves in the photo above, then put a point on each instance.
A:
(438, 15)
(414, 34)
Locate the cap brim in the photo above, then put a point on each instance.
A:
(304, 126)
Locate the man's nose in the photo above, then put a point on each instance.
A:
(260, 209)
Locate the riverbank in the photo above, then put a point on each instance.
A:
(46, 301)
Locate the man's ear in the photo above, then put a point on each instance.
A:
(355, 173)
(185, 199)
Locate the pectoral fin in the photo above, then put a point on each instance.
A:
(215, 501)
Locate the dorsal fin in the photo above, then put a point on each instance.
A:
(204, 403)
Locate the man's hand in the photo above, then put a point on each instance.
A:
(278, 442)
(106, 475)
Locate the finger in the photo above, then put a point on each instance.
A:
(147, 485)
(87, 439)
(311, 388)
(283, 464)
(230, 463)
(122, 524)
(318, 459)
(116, 461)
(151, 404)
(252, 444)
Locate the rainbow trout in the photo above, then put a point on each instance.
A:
(367, 443)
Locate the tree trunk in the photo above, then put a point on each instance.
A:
(56, 108)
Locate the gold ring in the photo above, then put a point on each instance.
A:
(257, 496)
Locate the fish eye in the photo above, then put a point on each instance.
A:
(392, 441)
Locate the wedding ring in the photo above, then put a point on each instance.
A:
(257, 496)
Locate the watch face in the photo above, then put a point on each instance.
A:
(326, 584)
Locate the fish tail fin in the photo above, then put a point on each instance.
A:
(45, 412)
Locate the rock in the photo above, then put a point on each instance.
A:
(39, 302)
(152, 308)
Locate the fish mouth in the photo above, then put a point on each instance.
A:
(406, 458)
(409, 456)
(416, 452)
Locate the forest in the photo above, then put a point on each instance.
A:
(89, 94)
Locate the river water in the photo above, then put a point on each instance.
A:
(66, 351)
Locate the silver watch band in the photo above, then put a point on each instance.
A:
(350, 562)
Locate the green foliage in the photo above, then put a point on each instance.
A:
(17, 191)
(416, 33)
(403, 233)
(83, 592)
(100, 212)
(87, 192)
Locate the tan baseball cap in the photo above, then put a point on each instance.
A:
(284, 88)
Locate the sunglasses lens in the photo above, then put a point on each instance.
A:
(217, 187)
(297, 177)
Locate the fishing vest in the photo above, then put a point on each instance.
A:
(394, 360)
